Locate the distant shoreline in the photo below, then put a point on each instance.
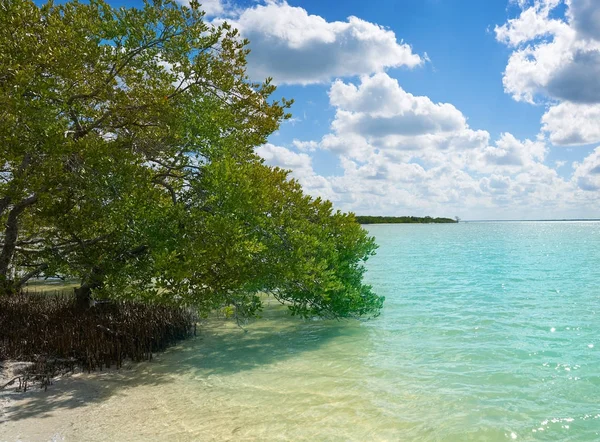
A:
(427, 220)
(366, 219)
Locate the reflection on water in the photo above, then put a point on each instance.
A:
(490, 332)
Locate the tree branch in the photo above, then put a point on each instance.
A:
(40, 268)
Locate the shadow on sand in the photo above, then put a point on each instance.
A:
(221, 348)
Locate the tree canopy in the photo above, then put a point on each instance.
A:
(127, 161)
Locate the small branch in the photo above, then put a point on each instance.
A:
(31, 274)
(169, 189)
(12, 381)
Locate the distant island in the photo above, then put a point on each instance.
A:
(403, 220)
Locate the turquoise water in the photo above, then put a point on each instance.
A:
(497, 322)
(490, 332)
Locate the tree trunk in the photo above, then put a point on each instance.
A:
(83, 294)
(11, 234)
(35, 272)
(4, 203)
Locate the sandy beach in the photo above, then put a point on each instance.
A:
(57, 413)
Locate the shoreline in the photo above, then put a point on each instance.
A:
(71, 401)
(204, 388)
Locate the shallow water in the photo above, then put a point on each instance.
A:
(490, 332)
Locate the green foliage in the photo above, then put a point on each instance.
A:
(127, 143)
(402, 220)
(272, 238)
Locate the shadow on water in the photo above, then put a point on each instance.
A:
(218, 353)
(221, 348)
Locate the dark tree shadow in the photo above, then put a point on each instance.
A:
(220, 348)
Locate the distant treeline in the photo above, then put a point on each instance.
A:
(402, 220)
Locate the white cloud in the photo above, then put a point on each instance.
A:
(378, 115)
(292, 46)
(509, 155)
(379, 108)
(285, 158)
(405, 154)
(585, 16)
(557, 62)
(438, 168)
(587, 173)
(569, 124)
(305, 145)
(536, 63)
(532, 23)
(301, 166)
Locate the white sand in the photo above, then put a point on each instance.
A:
(55, 414)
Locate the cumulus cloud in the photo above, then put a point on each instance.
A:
(379, 107)
(578, 80)
(587, 173)
(441, 167)
(305, 145)
(544, 49)
(286, 159)
(379, 115)
(569, 124)
(532, 23)
(293, 46)
(556, 61)
(300, 164)
(585, 16)
(400, 153)
(509, 155)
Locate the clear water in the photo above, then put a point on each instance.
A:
(490, 332)
(496, 323)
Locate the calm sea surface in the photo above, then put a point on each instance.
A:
(491, 331)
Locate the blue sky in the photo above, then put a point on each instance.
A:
(466, 61)
(465, 67)
(478, 109)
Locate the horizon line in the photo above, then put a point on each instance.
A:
(537, 220)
